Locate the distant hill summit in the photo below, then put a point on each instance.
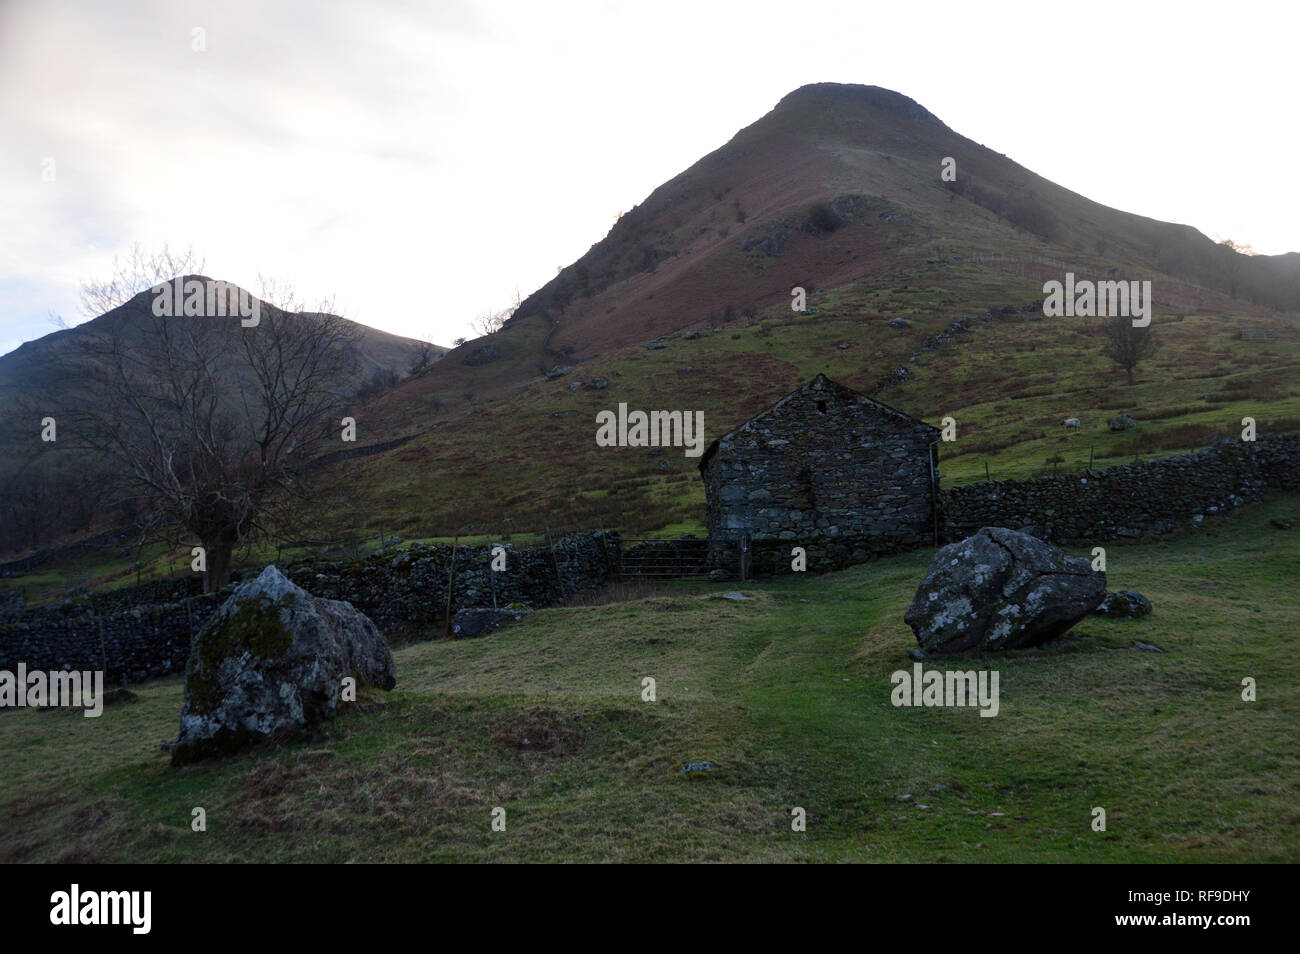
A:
(44, 495)
(379, 353)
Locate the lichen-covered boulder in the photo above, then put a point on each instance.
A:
(272, 660)
(1000, 589)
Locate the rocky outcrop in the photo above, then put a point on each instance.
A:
(272, 660)
(485, 354)
(1124, 604)
(966, 323)
(1001, 589)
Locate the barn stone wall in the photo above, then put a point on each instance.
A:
(824, 464)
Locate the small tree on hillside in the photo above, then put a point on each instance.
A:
(490, 322)
(1234, 255)
(424, 356)
(1126, 345)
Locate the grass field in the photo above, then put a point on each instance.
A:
(787, 694)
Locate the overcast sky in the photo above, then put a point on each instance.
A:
(419, 161)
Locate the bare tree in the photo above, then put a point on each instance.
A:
(1235, 254)
(39, 501)
(142, 270)
(490, 322)
(26, 505)
(1242, 248)
(426, 355)
(207, 425)
(1126, 345)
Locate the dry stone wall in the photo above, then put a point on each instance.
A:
(1154, 496)
(139, 633)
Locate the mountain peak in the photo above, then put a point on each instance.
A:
(842, 95)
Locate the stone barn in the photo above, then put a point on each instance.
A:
(825, 467)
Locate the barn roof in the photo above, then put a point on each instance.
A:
(819, 383)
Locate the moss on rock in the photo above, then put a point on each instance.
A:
(254, 628)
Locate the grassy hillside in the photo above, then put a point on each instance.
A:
(518, 456)
(787, 694)
(530, 460)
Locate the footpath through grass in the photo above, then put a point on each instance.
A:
(787, 694)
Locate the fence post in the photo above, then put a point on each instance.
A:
(451, 575)
(604, 549)
(555, 562)
(744, 557)
(103, 652)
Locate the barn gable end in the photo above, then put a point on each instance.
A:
(825, 463)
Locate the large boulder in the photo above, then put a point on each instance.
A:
(1001, 589)
(272, 660)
